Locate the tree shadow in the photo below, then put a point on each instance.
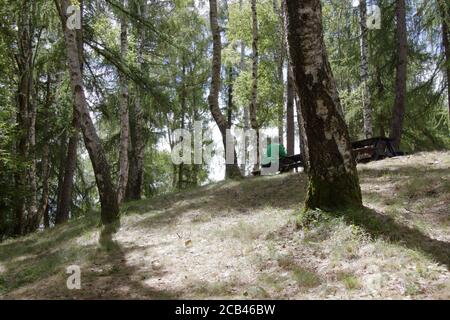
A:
(42, 242)
(382, 226)
(243, 198)
(124, 275)
(405, 171)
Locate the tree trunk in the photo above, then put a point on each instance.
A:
(61, 172)
(232, 170)
(24, 60)
(333, 179)
(301, 130)
(124, 112)
(196, 167)
(290, 123)
(364, 71)
(254, 92)
(183, 115)
(137, 152)
(45, 168)
(246, 117)
(445, 13)
(32, 206)
(230, 97)
(398, 112)
(65, 196)
(280, 65)
(47, 217)
(107, 192)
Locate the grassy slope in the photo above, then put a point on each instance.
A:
(238, 240)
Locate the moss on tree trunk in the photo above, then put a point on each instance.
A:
(331, 168)
(326, 194)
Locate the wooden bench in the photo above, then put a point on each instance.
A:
(374, 149)
(287, 164)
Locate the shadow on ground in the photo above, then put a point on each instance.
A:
(243, 198)
(33, 261)
(379, 225)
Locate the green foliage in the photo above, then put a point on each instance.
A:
(426, 119)
(270, 88)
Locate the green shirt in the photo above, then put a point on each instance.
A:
(271, 151)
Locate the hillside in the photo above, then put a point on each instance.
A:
(239, 240)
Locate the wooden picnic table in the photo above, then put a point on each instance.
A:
(373, 149)
(366, 150)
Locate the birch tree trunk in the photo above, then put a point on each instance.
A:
(254, 89)
(107, 192)
(124, 112)
(333, 179)
(364, 70)
(246, 111)
(232, 170)
(398, 112)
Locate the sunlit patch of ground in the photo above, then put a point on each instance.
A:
(238, 240)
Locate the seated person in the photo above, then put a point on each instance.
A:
(270, 156)
(282, 160)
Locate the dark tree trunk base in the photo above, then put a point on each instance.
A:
(342, 192)
(232, 172)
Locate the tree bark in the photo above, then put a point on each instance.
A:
(246, 118)
(24, 60)
(301, 130)
(183, 115)
(137, 152)
(398, 112)
(280, 64)
(45, 168)
(61, 172)
(333, 179)
(107, 192)
(290, 123)
(45, 188)
(230, 105)
(32, 206)
(232, 170)
(445, 14)
(254, 90)
(364, 70)
(124, 112)
(47, 217)
(65, 196)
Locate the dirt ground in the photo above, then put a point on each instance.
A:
(239, 240)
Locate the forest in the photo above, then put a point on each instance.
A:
(138, 140)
